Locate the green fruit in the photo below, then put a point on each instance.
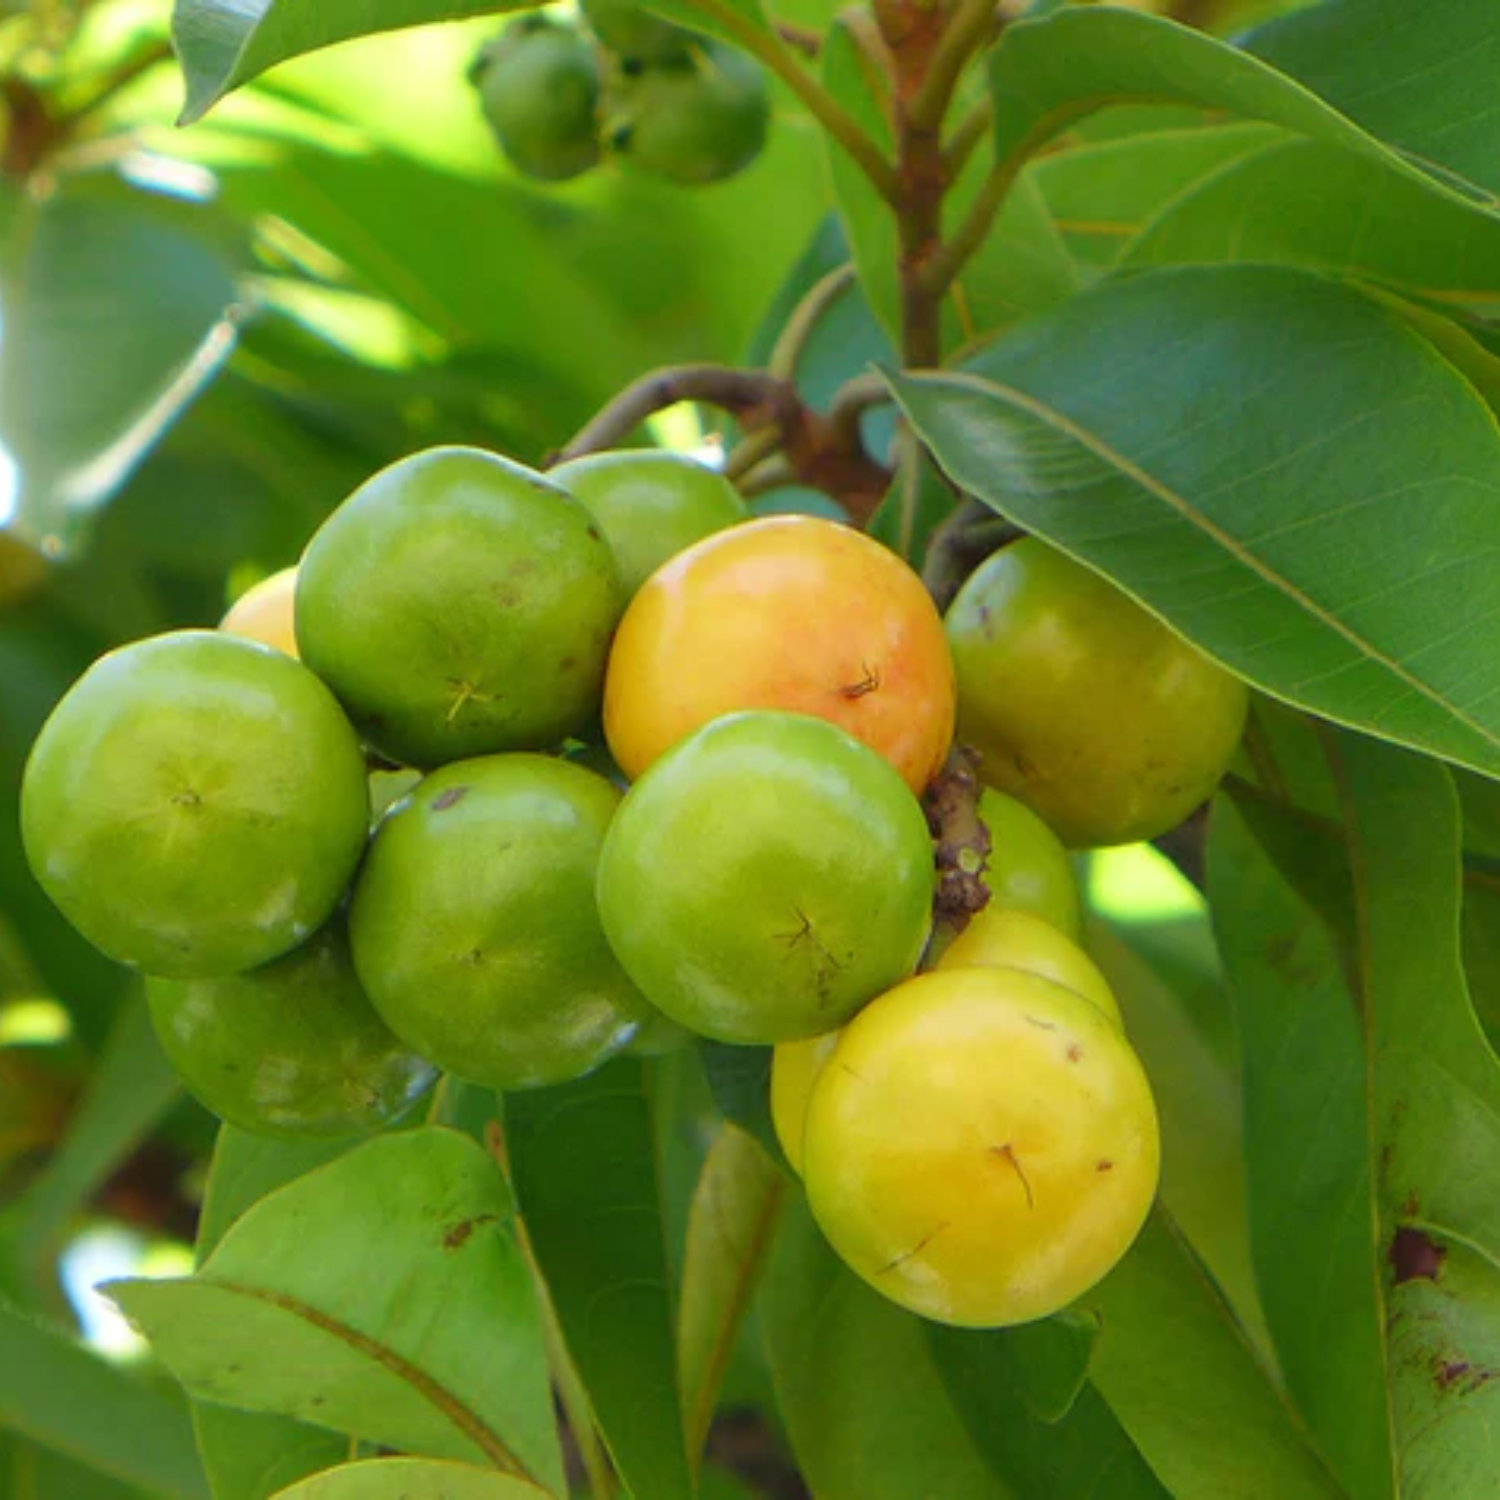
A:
(1028, 868)
(651, 506)
(292, 1048)
(196, 804)
(633, 34)
(694, 119)
(767, 877)
(1104, 722)
(474, 927)
(539, 88)
(458, 603)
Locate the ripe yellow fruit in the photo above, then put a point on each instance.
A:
(264, 612)
(982, 1147)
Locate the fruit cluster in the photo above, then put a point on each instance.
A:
(659, 775)
(653, 96)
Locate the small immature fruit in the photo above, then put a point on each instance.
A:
(982, 1147)
(196, 804)
(1000, 939)
(474, 927)
(795, 1067)
(790, 612)
(458, 603)
(766, 878)
(538, 85)
(695, 118)
(1028, 868)
(264, 612)
(1087, 708)
(635, 35)
(650, 506)
(292, 1048)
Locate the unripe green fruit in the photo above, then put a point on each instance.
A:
(1082, 704)
(457, 604)
(538, 85)
(474, 927)
(634, 35)
(196, 804)
(292, 1048)
(694, 119)
(650, 506)
(766, 877)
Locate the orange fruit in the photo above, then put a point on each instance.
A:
(793, 613)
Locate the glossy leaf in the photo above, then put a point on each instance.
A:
(1047, 73)
(857, 1383)
(1407, 1119)
(734, 1214)
(583, 1160)
(224, 43)
(351, 1298)
(411, 1479)
(114, 322)
(740, 1080)
(1101, 195)
(1420, 79)
(1075, 1445)
(1178, 1375)
(1256, 454)
(133, 1432)
(1301, 203)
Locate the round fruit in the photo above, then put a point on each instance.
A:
(538, 85)
(196, 804)
(1001, 939)
(474, 927)
(1028, 868)
(459, 603)
(795, 1067)
(694, 118)
(790, 612)
(650, 506)
(264, 612)
(765, 879)
(982, 1147)
(292, 1048)
(1102, 720)
(634, 34)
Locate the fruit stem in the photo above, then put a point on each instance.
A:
(768, 48)
(804, 319)
(947, 261)
(968, 133)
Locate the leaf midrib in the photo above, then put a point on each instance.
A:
(1049, 416)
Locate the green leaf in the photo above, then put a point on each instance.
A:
(1256, 454)
(1045, 74)
(1101, 195)
(740, 1080)
(734, 20)
(251, 1455)
(1199, 1106)
(114, 321)
(224, 43)
(1177, 1373)
(1379, 1198)
(382, 1295)
(31, 1472)
(1420, 79)
(583, 1160)
(917, 503)
(411, 1479)
(733, 1219)
(857, 1382)
(1301, 203)
(1030, 1409)
(132, 1431)
(131, 1088)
